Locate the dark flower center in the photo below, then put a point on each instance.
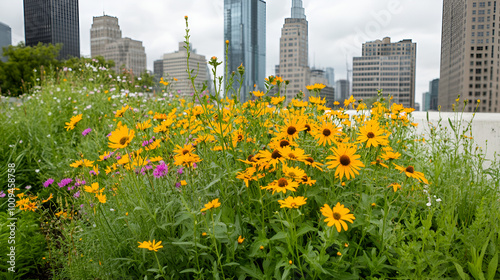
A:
(124, 140)
(251, 158)
(310, 159)
(370, 134)
(240, 137)
(276, 154)
(304, 178)
(308, 128)
(284, 143)
(282, 183)
(291, 155)
(185, 151)
(337, 216)
(410, 169)
(326, 132)
(291, 174)
(345, 160)
(291, 130)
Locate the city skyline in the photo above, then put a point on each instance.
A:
(349, 26)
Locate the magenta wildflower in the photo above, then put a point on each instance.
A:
(64, 182)
(160, 170)
(178, 185)
(77, 194)
(180, 171)
(2, 194)
(86, 131)
(48, 182)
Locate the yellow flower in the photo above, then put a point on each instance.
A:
(282, 185)
(151, 246)
(292, 202)
(101, 197)
(326, 133)
(121, 137)
(240, 239)
(258, 93)
(277, 100)
(337, 216)
(144, 125)
(371, 133)
(82, 163)
(212, 204)
(94, 188)
(120, 112)
(395, 186)
(346, 162)
(410, 172)
(183, 183)
(72, 123)
(315, 87)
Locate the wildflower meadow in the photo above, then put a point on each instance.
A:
(110, 181)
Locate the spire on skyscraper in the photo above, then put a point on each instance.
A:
(297, 9)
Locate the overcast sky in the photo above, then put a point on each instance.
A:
(337, 28)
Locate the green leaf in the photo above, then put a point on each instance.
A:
(461, 272)
(492, 268)
(280, 236)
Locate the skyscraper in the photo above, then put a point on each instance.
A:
(330, 76)
(175, 66)
(53, 22)
(433, 94)
(386, 66)
(5, 39)
(294, 52)
(106, 40)
(245, 29)
(470, 61)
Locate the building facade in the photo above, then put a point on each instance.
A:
(426, 101)
(433, 94)
(245, 30)
(330, 76)
(53, 22)
(294, 52)
(386, 66)
(5, 39)
(104, 30)
(175, 66)
(342, 90)
(470, 55)
(106, 40)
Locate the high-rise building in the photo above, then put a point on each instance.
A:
(106, 40)
(386, 66)
(294, 52)
(175, 66)
(104, 30)
(5, 39)
(342, 90)
(470, 60)
(53, 22)
(318, 76)
(245, 29)
(433, 94)
(330, 76)
(426, 101)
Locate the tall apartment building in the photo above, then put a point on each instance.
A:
(175, 66)
(106, 40)
(53, 22)
(426, 101)
(5, 39)
(294, 52)
(470, 55)
(330, 76)
(245, 29)
(342, 90)
(386, 66)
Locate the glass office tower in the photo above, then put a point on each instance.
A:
(245, 29)
(53, 21)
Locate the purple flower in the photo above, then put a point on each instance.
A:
(145, 143)
(79, 182)
(64, 182)
(92, 172)
(48, 182)
(86, 131)
(160, 170)
(71, 188)
(108, 134)
(195, 165)
(77, 195)
(178, 185)
(180, 170)
(81, 206)
(28, 187)
(2, 194)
